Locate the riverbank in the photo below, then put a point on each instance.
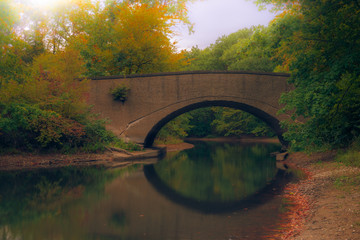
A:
(326, 204)
(110, 159)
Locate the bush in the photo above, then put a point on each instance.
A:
(120, 93)
(27, 127)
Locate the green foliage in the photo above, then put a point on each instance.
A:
(322, 53)
(232, 122)
(175, 129)
(247, 49)
(130, 146)
(120, 92)
(29, 128)
(213, 121)
(201, 121)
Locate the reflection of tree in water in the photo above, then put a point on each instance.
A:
(219, 172)
(47, 197)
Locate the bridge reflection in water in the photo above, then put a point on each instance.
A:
(215, 177)
(204, 200)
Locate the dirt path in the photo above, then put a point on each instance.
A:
(332, 193)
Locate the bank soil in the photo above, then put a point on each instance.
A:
(325, 203)
(108, 159)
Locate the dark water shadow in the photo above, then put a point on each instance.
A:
(273, 188)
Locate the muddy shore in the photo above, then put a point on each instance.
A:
(108, 159)
(326, 202)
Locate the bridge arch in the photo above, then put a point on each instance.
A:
(155, 99)
(271, 121)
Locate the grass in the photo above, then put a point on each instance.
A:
(347, 182)
(349, 158)
(129, 146)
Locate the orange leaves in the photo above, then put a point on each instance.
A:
(297, 210)
(53, 84)
(52, 128)
(138, 39)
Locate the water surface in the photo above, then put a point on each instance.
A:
(213, 191)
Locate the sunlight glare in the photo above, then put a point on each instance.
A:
(44, 3)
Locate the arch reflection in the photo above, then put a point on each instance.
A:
(215, 177)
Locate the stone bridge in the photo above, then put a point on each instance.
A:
(155, 99)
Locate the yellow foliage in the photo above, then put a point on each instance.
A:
(54, 84)
(143, 35)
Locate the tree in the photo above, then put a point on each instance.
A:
(321, 49)
(250, 49)
(131, 37)
(247, 49)
(253, 54)
(201, 121)
(233, 122)
(175, 130)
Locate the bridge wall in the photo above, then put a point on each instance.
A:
(157, 98)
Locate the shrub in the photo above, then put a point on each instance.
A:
(120, 93)
(27, 127)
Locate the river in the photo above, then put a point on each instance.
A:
(213, 191)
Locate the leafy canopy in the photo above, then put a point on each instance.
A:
(320, 46)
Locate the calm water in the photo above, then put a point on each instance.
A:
(214, 191)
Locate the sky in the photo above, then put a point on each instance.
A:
(215, 18)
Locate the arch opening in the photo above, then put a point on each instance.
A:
(271, 121)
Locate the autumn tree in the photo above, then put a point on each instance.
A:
(46, 55)
(131, 37)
